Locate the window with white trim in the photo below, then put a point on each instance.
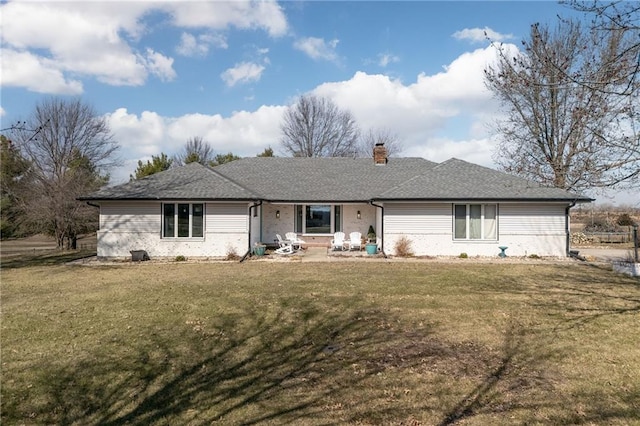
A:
(318, 218)
(183, 220)
(475, 222)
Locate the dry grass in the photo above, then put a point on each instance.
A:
(332, 343)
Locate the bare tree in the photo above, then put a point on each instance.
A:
(622, 17)
(558, 131)
(196, 150)
(70, 152)
(377, 136)
(316, 127)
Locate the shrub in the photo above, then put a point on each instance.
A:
(534, 256)
(625, 220)
(463, 255)
(231, 254)
(403, 247)
(601, 225)
(180, 258)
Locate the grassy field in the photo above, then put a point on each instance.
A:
(413, 343)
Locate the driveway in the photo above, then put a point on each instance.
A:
(605, 254)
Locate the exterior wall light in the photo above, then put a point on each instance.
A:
(277, 214)
(358, 215)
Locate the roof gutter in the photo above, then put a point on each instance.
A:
(248, 253)
(381, 226)
(567, 227)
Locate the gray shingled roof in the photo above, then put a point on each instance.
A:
(306, 180)
(459, 180)
(191, 182)
(321, 179)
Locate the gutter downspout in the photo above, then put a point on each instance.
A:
(248, 253)
(567, 228)
(381, 227)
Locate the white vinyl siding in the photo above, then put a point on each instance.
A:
(126, 226)
(227, 218)
(417, 218)
(525, 228)
(130, 217)
(539, 219)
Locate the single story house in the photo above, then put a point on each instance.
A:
(444, 209)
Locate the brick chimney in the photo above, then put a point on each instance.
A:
(380, 154)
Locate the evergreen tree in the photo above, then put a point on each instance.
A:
(157, 164)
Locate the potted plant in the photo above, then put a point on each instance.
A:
(259, 249)
(371, 246)
(371, 234)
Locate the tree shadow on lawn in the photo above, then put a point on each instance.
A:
(575, 295)
(250, 367)
(583, 295)
(44, 258)
(520, 379)
(524, 380)
(294, 364)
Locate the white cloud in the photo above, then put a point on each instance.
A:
(244, 133)
(36, 74)
(318, 48)
(385, 59)
(421, 113)
(2, 112)
(480, 35)
(454, 102)
(191, 45)
(56, 44)
(79, 39)
(244, 72)
(420, 109)
(243, 14)
(159, 65)
(140, 136)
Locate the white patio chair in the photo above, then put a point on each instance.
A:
(337, 243)
(295, 241)
(284, 246)
(355, 240)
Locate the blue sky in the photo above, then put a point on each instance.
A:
(163, 72)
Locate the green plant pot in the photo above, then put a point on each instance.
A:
(371, 248)
(259, 250)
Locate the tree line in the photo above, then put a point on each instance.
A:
(312, 127)
(570, 101)
(64, 150)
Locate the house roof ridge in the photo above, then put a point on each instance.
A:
(529, 183)
(415, 177)
(232, 181)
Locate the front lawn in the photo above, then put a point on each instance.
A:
(404, 343)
